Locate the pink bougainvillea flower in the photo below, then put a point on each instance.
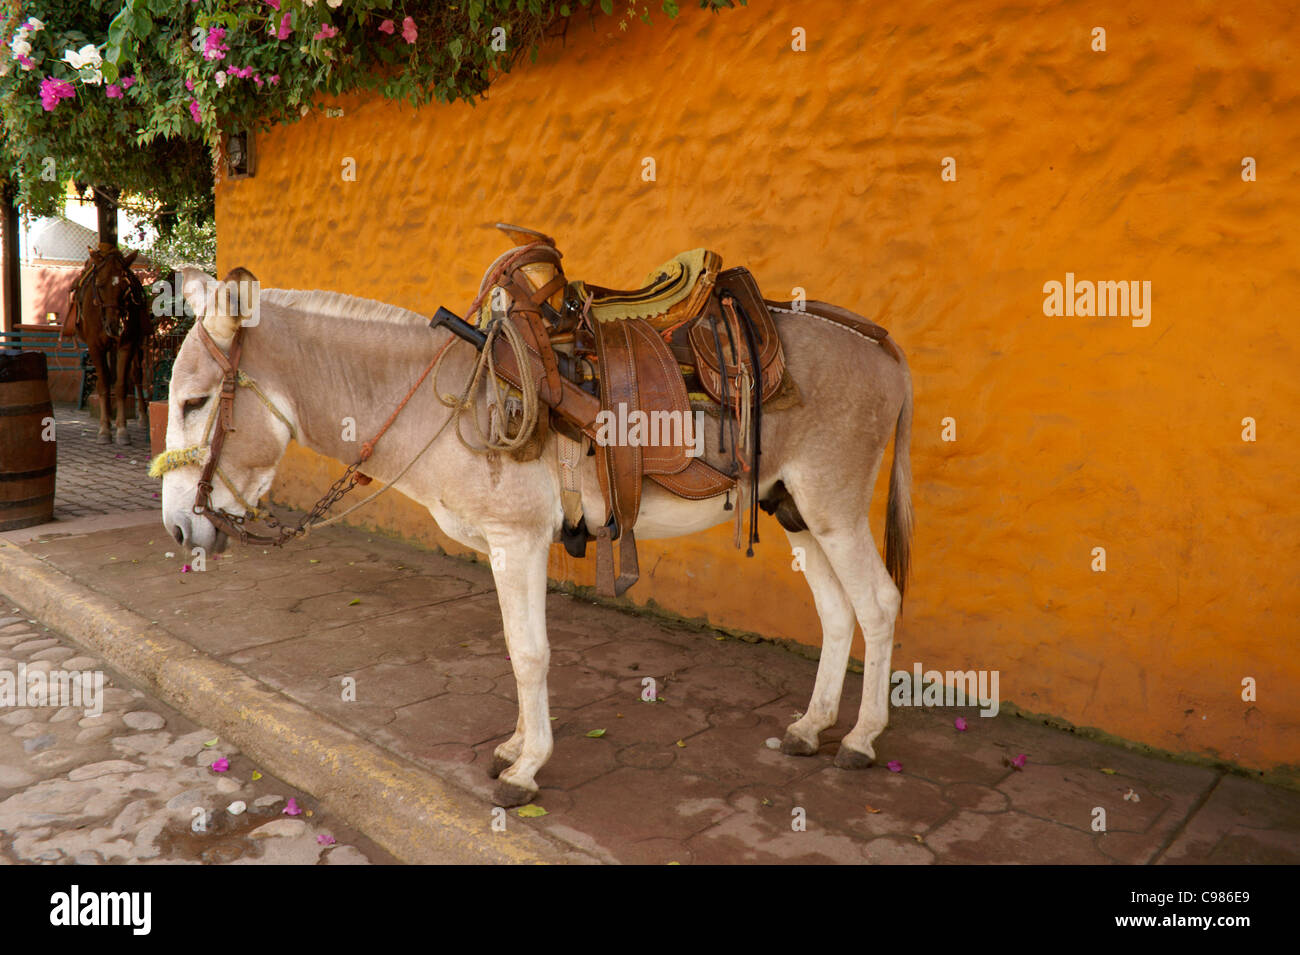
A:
(128, 82)
(185, 568)
(291, 808)
(1019, 761)
(408, 30)
(895, 766)
(325, 839)
(53, 90)
(325, 32)
(257, 78)
(386, 27)
(960, 723)
(213, 48)
(284, 31)
(274, 79)
(273, 4)
(189, 85)
(113, 91)
(27, 62)
(195, 112)
(221, 765)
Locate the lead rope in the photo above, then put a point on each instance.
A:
(460, 406)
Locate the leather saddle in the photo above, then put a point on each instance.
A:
(601, 358)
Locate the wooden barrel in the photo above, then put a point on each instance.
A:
(27, 460)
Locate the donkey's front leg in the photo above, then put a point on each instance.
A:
(519, 568)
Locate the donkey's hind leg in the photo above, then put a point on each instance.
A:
(853, 556)
(836, 612)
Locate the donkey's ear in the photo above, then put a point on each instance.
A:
(199, 289)
(130, 257)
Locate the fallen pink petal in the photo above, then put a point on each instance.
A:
(220, 765)
(291, 808)
(894, 766)
(325, 839)
(1019, 761)
(960, 723)
(185, 569)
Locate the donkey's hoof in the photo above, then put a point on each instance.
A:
(499, 765)
(103, 438)
(797, 746)
(508, 795)
(852, 759)
(122, 437)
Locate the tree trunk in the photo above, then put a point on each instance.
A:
(106, 207)
(9, 274)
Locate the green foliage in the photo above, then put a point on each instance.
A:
(166, 77)
(191, 240)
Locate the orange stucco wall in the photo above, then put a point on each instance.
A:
(822, 169)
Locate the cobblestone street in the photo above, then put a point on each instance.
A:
(95, 479)
(135, 783)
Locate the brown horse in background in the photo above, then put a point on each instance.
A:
(109, 312)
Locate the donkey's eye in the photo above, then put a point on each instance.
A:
(193, 404)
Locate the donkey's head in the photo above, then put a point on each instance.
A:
(261, 418)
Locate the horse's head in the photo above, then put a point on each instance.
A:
(261, 421)
(111, 289)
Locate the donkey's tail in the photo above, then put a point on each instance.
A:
(898, 519)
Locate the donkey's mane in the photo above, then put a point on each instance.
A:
(339, 305)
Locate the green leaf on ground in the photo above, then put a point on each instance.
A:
(531, 811)
(595, 734)
(213, 741)
(354, 601)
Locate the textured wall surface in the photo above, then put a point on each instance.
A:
(821, 169)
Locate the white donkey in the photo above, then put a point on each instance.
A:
(316, 358)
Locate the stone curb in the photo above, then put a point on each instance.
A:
(417, 816)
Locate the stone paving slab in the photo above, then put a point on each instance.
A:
(417, 637)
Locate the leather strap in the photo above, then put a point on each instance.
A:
(618, 389)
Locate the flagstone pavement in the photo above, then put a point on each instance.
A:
(692, 778)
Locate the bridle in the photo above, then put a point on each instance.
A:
(132, 297)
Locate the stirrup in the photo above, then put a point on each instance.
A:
(629, 571)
